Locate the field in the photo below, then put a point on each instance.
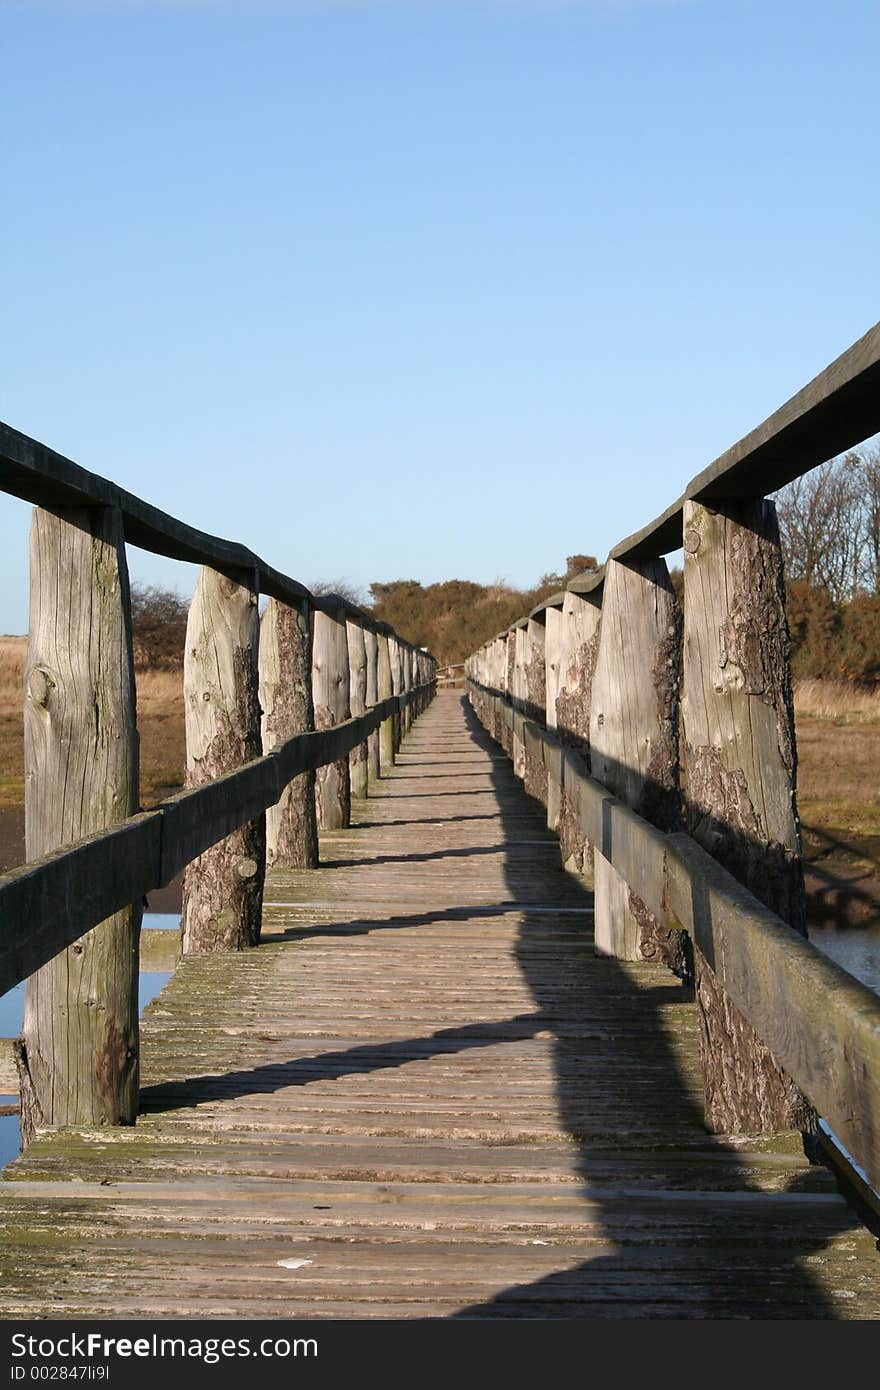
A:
(838, 729)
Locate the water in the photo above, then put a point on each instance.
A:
(856, 950)
(12, 1007)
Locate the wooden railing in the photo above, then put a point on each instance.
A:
(693, 843)
(287, 717)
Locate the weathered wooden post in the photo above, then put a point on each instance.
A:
(508, 669)
(407, 684)
(330, 692)
(535, 779)
(740, 762)
(223, 887)
(285, 663)
(552, 677)
(371, 644)
(357, 678)
(578, 639)
(634, 741)
(78, 1055)
(396, 657)
(520, 696)
(386, 690)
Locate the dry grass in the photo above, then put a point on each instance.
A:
(841, 701)
(160, 723)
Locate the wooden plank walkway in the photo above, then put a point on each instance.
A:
(424, 1095)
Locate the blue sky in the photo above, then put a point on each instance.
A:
(427, 290)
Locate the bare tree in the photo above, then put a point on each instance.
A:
(824, 528)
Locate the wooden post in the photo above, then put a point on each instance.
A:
(385, 690)
(285, 661)
(509, 671)
(552, 678)
(496, 671)
(371, 643)
(535, 779)
(223, 887)
(330, 692)
(634, 741)
(407, 685)
(578, 647)
(357, 688)
(740, 761)
(520, 696)
(78, 1056)
(396, 657)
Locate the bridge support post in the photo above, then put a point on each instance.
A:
(78, 1056)
(371, 644)
(223, 887)
(740, 759)
(330, 692)
(535, 775)
(285, 664)
(520, 695)
(578, 646)
(634, 741)
(357, 693)
(407, 684)
(396, 658)
(385, 687)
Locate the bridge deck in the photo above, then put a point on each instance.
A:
(424, 1095)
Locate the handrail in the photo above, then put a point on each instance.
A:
(71, 890)
(602, 662)
(35, 473)
(771, 972)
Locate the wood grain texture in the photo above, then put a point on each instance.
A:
(578, 643)
(78, 1058)
(285, 665)
(223, 886)
(357, 692)
(740, 757)
(371, 643)
(634, 734)
(330, 693)
(459, 1078)
(385, 691)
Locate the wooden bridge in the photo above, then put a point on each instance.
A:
(423, 1069)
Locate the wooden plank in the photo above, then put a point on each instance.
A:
(775, 978)
(466, 1111)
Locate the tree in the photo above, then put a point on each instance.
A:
(158, 623)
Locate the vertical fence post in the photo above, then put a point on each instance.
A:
(371, 644)
(223, 887)
(330, 692)
(285, 663)
(407, 684)
(634, 740)
(385, 691)
(509, 687)
(535, 779)
(357, 688)
(578, 648)
(78, 1056)
(552, 675)
(740, 762)
(520, 694)
(396, 687)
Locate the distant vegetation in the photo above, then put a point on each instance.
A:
(452, 619)
(830, 525)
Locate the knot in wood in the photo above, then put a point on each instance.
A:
(247, 868)
(40, 685)
(691, 540)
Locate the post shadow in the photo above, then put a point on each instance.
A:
(643, 1153)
